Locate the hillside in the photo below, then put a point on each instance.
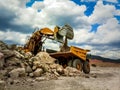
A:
(105, 59)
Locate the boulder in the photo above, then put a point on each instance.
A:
(38, 72)
(60, 69)
(19, 72)
(45, 67)
(28, 55)
(45, 58)
(7, 53)
(18, 55)
(34, 68)
(37, 64)
(28, 69)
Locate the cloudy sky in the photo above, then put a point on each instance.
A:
(96, 23)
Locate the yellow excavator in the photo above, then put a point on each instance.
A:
(68, 55)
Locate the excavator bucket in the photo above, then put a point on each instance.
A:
(65, 31)
(57, 36)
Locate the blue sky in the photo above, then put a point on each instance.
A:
(96, 23)
(90, 8)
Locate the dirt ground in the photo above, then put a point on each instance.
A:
(100, 78)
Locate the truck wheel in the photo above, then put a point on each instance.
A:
(86, 67)
(77, 64)
(70, 63)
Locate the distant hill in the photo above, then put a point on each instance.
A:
(105, 59)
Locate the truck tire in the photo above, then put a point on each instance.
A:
(70, 62)
(77, 64)
(86, 67)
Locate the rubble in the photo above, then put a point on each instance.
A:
(14, 64)
(69, 71)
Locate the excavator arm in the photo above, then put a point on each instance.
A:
(35, 42)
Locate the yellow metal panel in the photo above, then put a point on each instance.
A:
(47, 31)
(81, 53)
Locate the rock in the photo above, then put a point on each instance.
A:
(70, 71)
(37, 64)
(1, 60)
(40, 78)
(18, 55)
(28, 69)
(66, 72)
(31, 74)
(31, 60)
(12, 46)
(59, 69)
(45, 58)
(2, 85)
(19, 72)
(38, 72)
(49, 76)
(3, 46)
(28, 55)
(45, 67)
(53, 66)
(55, 72)
(7, 53)
(13, 61)
(3, 73)
(34, 68)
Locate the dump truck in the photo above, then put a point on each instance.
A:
(67, 55)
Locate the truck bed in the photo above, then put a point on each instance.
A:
(74, 52)
(61, 54)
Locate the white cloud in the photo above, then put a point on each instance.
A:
(102, 13)
(113, 1)
(13, 36)
(38, 5)
(108, 32)
(82, 36)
